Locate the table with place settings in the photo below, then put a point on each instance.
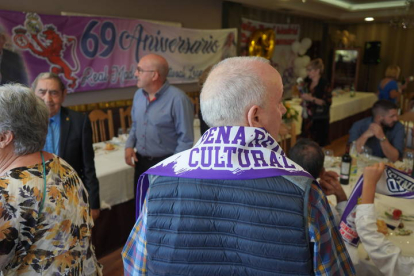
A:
(383, 203)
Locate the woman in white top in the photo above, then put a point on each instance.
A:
(386, 256)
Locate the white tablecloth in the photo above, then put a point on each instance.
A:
(115, 176)
(363, 264)
(342, 106)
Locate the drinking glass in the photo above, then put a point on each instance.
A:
(120, 132)
(408, 161)
(367, 152)
(329, 157)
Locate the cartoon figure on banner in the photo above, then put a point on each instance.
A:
(47, 43)
(229, 47)
(12, 67)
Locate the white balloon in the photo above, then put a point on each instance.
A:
(305, 60)
(302, 50)
(306, 42)
(303, 73)
(298, 62)
(295, 47)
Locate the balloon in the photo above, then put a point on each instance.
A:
(302, 50)
(345, 33)
(295, 47)
(305, 60)
(306, 42)
(345, 41)
(298, 62)
(303, 73)
(262, 43)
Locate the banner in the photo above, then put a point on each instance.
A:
(392, 183)
(91, 53)
(283, 57)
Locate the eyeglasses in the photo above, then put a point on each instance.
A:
(139, 70)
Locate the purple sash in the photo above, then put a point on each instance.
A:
(225, 153)
(393, 183)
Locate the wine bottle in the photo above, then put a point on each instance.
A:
(345, 168)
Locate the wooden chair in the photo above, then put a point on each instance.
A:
(287, 131)
(407, 119)
(99, 130)
(125, 117)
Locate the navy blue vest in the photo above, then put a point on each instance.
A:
(227, 227)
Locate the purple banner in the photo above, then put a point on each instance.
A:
(91, 53)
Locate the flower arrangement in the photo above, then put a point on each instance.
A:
(291, 113)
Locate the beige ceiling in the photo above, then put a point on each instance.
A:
(336, 10)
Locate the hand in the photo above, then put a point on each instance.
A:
(371, 176)
(377, 130)
(307, 97)
(95, 214)
(331, 186)
(370, 131)
(130, 157)
(373, 173)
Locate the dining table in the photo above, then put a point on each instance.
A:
(362, 262)
(345, 109)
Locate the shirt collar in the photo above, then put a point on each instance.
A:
(56, 118)
(160, 92)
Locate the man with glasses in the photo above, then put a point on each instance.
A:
(162, 118)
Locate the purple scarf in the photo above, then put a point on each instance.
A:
(225, 153)
(392, 183)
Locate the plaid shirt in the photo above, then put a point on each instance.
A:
(330, 256)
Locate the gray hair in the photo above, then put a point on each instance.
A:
(48, 76)
(231, 88)
(25, 115)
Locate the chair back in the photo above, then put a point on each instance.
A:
(407, 119)
(99, 120)
(287, 132)
(125, 117)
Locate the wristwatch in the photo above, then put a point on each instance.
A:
(383, 139)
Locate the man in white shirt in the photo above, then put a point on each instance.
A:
(386, 256)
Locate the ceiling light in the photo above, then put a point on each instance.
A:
(369, 19)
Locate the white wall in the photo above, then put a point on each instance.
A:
(198, 14)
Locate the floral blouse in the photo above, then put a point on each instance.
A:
(56, 242)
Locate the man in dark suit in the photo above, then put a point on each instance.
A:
(11, 65)
(69, 134)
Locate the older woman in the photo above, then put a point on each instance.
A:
(388, 87)
(317, 102)
(45, 224)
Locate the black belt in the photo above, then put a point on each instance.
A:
(151, 158)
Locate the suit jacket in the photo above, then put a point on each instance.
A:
(76, 148)
(12, 68)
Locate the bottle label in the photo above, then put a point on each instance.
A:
(345, 168)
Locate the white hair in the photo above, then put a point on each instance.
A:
(231, 88)
(25, 115)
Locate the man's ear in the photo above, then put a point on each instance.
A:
(253, 116)
(5, 139)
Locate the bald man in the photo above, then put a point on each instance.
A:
(162, 117)
(234, 204)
